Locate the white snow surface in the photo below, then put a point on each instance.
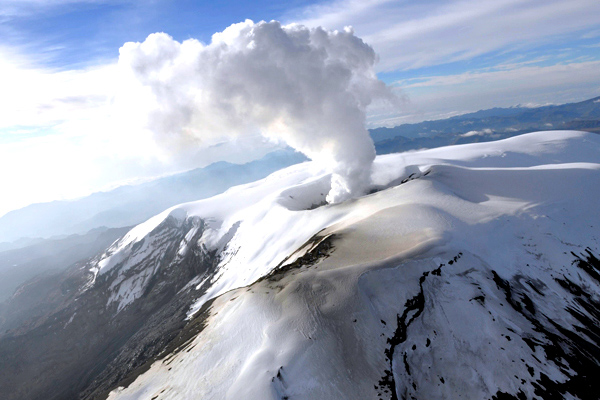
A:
(258, 225)
(536, 194)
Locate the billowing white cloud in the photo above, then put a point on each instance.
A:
(63, 134)
(306, 87)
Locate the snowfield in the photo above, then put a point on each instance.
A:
(467, 273)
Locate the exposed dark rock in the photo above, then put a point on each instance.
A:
(574, 349)
(317, 248)
(412, 310)
(87, 347)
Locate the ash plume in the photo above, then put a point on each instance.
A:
(306, 87)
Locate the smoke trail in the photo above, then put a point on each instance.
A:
(307, 87)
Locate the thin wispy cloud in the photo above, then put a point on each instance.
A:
(58, 62)
(526, 76)
(408, 35)
(17, 8)
(38, 96)
(591, 34)
(442, 96)
(453, 57)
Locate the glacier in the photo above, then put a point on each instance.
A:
(469, 271)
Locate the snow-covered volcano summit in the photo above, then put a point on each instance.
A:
(470, 272)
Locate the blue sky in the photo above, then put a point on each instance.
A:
(58, 57)
(75, 34)
(71, 34)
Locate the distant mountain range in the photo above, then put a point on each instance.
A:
(469, 272)
(50, 256)
(488, 125)
(132, 204)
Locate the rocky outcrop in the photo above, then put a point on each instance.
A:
(87, 344)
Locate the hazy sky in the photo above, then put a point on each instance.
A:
(60, 136)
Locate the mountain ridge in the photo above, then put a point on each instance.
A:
(129, 205)
(132, 204)
(470, 270)
(501, 123)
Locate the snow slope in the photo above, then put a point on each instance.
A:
(469, 272)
